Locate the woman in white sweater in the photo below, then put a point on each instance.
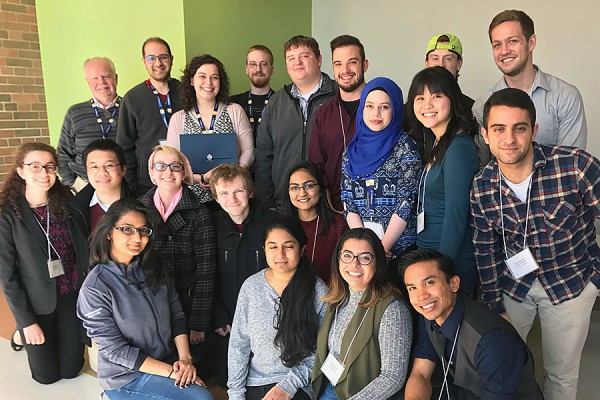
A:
(278, 314)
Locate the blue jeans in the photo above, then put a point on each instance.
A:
(329, 393)
(150, 386)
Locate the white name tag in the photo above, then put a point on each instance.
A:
(420, 222)
(375, 227)
(522, 263)
(55, 268)
(333, 369)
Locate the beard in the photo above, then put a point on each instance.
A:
(260, 81)
(351, 87)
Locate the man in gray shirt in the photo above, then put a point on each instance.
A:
(560, 113)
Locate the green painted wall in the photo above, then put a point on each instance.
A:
(73, 30)
(227, 28)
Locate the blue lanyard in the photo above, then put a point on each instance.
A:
(161, 106)
(212, 119)
(111, 120)
(252, 120)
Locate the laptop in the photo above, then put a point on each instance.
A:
(207, 151)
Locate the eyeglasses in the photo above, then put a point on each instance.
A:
(150, 59)
(161, 166)
(363, 258)
(261, 65)
(306, 187)
(132, 230)
(37, 167)
(106, 167)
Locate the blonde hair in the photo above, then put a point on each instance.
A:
(188, 176)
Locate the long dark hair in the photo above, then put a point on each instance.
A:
(188, 93)
(438, 80)
(297, 319)
(101, 245)
(14, 186)
(377, 289)
(323, 209)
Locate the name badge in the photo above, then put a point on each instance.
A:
(333, 369)
(375, 227)
(420, 222)
(522, 263)
(55, 268)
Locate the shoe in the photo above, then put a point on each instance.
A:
(13, 344)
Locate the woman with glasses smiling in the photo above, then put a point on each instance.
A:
(185, 236)
(130, 308)
(207, 109)
(43, 261)
(364, 343)
(323, 227)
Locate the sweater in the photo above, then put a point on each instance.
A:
(253, 359)
(128, 320)
(140, 128)
(283, 139)
(80, 128)
(377, 361)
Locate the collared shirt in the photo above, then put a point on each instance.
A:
(559, 110)
(499, 355)
(564, 200)
(95, 200)
(99, 105)
(304, 97)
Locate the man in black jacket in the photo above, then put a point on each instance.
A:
(240, 240)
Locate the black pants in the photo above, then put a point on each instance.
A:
(61, 355)
(258, 392)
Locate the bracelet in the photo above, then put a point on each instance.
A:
(202, 179)
(170, 373)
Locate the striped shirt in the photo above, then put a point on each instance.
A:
(564, 200)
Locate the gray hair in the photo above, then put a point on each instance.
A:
(108, 61)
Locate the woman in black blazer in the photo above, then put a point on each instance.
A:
(43, 261)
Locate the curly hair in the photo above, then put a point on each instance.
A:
(188, 93)
(14, 185)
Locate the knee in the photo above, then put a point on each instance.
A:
(45, 380)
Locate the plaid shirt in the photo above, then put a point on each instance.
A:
(565, 197)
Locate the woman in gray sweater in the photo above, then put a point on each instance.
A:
(364, 343)
(278, 314)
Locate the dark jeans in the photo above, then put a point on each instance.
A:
(61, 355)
(258, 392)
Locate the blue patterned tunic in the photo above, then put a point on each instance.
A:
(395, 187)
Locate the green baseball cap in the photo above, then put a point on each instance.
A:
(453, 44)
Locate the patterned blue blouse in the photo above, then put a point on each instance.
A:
(394, 191)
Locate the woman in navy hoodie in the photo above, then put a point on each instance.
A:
(130, 308)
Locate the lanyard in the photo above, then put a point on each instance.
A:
(342, 125)
(355, 333)
(423, 181)
(312, 259)
(212, 119)
(111, 120)
(47, 232)
(447, 369)
(502, 214)
(161, 106)
(252, 121)
(370, 185)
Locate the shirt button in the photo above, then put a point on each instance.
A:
(170, 238)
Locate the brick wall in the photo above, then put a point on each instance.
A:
(23, 116)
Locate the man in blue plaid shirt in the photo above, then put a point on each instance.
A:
(533, 212)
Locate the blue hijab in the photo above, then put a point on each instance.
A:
(369, 149)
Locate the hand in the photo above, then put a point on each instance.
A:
(184, 373)
(34, 335)
(206, 183)
(196, 337)
(388, 253)
(277, 393)
(224, 330)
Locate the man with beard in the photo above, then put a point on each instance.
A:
(145, 112)
(259, 68)
(283, 135)
(335, 122)
(560, 113)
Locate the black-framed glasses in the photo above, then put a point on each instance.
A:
(278, 311)
(150, 59)
(106, 167)
(363, 258)
(261, 65)
(36, 167)
(132, 230)
(161, 166)
(307, 186)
